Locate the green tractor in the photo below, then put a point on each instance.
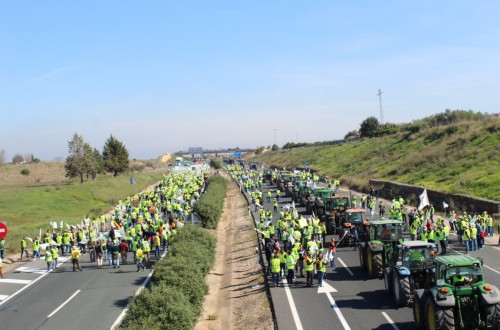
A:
(298, 187)
(335, 210)
(380, 249)
(413, 270)
(459, 298)
(320, 203)
(283, 179)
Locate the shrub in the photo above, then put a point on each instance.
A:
(209, 206)
(161, 307)
(216, 163)
(25, 171)
(175, 298)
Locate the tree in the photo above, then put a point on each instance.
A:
(18, 159)
(94, 162)
(115, 156)
(216, 163)
(259, 150)
(275, 147)
(368, 127)
(76, 163)
(351, 133)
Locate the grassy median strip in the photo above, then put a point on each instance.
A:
(175, 298)
(210, 205)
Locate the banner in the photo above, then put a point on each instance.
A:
(424, 200)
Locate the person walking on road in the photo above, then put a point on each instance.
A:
(139, 256)
(275, 269)
(75, 258)
(48, 258)
(321, 269)
(24, 248)
(309, 267)
(124, 251)
(99, 253)
(55, 255)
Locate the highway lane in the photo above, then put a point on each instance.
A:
(362, 301)
(103, 294)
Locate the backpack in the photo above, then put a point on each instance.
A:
(482, 235)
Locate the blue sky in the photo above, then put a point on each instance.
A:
(162, 76)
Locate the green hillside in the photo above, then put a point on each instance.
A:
(446, 152)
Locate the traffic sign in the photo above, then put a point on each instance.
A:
(3, 230)
(306, 164)
(237, 154)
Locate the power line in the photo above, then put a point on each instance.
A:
(381, 109)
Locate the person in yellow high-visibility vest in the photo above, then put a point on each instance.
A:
(321, 269)
(275, 269)
(139, 256)
(309, 267)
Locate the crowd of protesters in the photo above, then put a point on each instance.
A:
(294, 245)
(142, 225)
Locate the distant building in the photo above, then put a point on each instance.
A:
(196, 150)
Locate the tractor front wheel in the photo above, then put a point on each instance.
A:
(362, 258)
(402, 291)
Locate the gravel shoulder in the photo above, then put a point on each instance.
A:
(237, 297)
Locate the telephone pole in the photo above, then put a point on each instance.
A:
(381, 110)
(275, 129)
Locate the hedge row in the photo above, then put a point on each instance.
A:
(210, 205)
(175, 298)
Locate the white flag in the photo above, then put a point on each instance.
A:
(445, 206)
(424, 200)
(293, 205)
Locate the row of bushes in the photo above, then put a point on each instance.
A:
(175, 298)
(209, 206)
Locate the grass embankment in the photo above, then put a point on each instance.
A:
(27, 208)
(461, 158)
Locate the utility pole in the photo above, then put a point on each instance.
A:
(381, 110)
(275, 129)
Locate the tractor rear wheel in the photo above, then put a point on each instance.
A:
(418, 308)
(362, 258)
(492, 316)
(374, 260)
(439, 318)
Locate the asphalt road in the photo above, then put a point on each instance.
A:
(63, 299)
(356, 301)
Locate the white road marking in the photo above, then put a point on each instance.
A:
(3, 297)
(119, 320)
(293, 308)
(64, 303)
(27, 285)
(39, 271)
(395, 327)
(326, 288)
(493, 270)
(345, 266)
(337, 310)
(14, 281)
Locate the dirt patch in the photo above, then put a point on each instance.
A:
(237, 297)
